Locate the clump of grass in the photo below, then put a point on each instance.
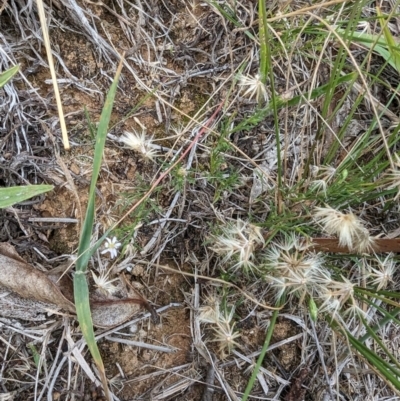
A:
(288, 264)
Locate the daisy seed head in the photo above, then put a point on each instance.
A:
(291, 268)
(222, 325)
(238, 241)
(348, 227)
(335, 294)
(225, 336)
(253, 87)
(139, 143)
(103, 283)
(381, 276)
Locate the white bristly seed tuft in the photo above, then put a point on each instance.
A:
(349, 228)
(238, 241)
(139, 143)
(253, 87)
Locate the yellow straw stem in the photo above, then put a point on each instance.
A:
(46, 39)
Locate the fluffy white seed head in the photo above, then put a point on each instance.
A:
(338, 296)
(238, 241)
(292, 269)
(104, 284)
(222, 324)
(381, 275)
(348, 227)
(139, 143)
(225, 335)
(253, 87)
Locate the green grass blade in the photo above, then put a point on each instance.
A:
(376, 43)
(260, 114)
(11, 196)
(381, 294)
(385, 349)
(91, 126)
(264, 350)
(85, 238)
(35, 354)
(390, 41)
(7, 75)
(263, 41)
(81, 289)
(388, 317)
(387, 371)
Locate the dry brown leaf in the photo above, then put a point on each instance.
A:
(31, 284)
(12, 306)
(22, 279)
(7, 249)
(113, 312)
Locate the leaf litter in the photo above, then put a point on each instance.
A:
(56, 289)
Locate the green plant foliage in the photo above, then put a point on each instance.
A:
(81, 290)
(11, 196)
(7, 75)
(221, 174)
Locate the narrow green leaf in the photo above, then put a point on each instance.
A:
(81, 289)
(376, 43)
(263, 352)
(35, 354)
(379, 341)
(85, 238)
(263, 33)
(390, 41)
(7, 75)
(11, 196)
(312, 306)
(386, 370)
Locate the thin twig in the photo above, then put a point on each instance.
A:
(141, 344)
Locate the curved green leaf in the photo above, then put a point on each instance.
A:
(11, 196)
(7, 75)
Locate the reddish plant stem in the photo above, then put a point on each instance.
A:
(379, 245)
